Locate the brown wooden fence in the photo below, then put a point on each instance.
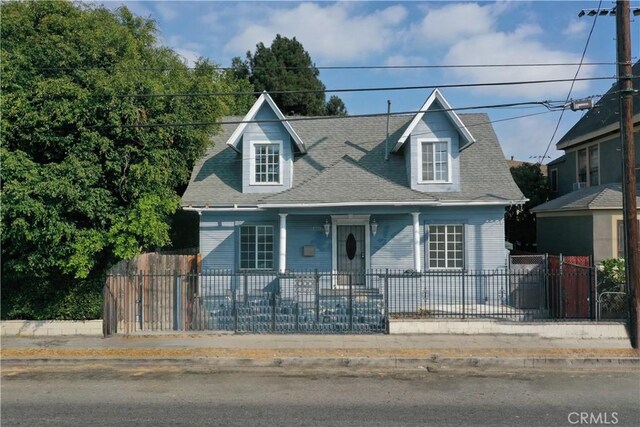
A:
(140, 295)
(572, 286)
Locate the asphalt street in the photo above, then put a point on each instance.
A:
(319, 398)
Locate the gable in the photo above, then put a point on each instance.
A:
(603, 118)
(436, 104)
(364, 176)
(258, 113)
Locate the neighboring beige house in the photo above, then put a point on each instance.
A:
(586, 216)
(584, 222)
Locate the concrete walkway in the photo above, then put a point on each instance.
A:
(323, 351)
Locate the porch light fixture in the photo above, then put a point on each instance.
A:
(327, 227)
(374, 226)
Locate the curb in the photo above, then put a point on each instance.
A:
(432, 364)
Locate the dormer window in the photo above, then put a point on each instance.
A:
(266, 163)
(434, 161)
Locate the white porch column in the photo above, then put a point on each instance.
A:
(282, 265)
(417, 265)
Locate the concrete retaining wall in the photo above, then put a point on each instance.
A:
(583, 330)
(35, 328)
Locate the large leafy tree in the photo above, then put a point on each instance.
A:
(287, 66)
(520, 222)
(82, 183)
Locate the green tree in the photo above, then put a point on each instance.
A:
(82, 186)
(520, 222)
(287, 66)
(335, 107)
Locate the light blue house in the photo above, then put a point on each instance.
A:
(346, 194)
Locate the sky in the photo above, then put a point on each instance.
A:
(365, 33)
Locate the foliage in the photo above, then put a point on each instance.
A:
(520, 222)
(335, 107)
(611, 275)
(80, 187)
(612, 297)
(287, 66)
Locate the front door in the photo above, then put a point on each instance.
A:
(351, 255)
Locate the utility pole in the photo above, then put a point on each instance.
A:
(629, 214)
(629, 208)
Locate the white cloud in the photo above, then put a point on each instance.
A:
(575, 28)
(471, 33)
(189, 51)
(450, 23)
(517, 47)
(405, 60)
(331, 33)
(527, 138)
(166, 10)
(189, 56)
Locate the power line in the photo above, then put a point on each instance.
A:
(338, 67)
(433, 131)
(548, 104)
(367, 89)
(584, 51)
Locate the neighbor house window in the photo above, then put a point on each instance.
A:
(589, 165)
(435, 161)
(256, 247)
(554, 180)
(582, 165)
(446, 246)
(594, 166)
(266, 163)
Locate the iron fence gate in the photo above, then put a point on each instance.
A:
(256, 302)
(327, 302)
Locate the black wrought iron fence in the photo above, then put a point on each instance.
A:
(329, 302)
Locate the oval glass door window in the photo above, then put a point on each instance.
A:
(351, 246)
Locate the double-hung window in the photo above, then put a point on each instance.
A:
(589, 165)
(256, 247)
(446, 246)
(266, 163)
(435, 161)
(594, 165)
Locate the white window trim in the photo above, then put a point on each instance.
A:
(255, 226)
(252, 161)
(587, 147)
(449, 160)
(464, 247)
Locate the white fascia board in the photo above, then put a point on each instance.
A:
(263, 207)
(220, 209)
(435, 95)
(602, 132)
(264, 97)
(430, 203)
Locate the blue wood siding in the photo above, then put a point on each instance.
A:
(303, 231)
(391, 247)
(484, 234)
(220, 240)
(434, 124)
(266, 132)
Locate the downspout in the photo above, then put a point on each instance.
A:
(386, 141)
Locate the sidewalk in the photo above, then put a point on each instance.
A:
(323, 351)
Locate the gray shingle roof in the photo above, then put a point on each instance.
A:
(345, 162)
(606, 112)
(607, 196)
